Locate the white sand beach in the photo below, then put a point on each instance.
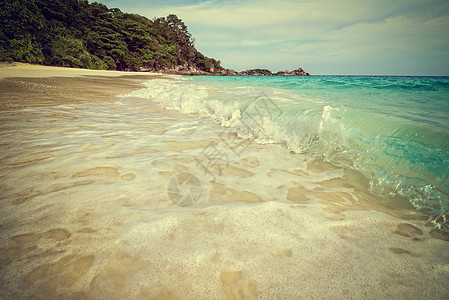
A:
(17, 69)
(26, 85)
(89, 206)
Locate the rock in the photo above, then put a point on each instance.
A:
(191, 70)
(145, 69)
(265, 72)
(256, 72)
(298, 72)
(227, 72)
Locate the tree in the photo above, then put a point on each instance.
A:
(77, 33)
(68, 51)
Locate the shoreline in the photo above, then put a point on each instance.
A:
(18, 69)
(25, 85)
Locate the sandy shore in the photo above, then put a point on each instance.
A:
(26, 85)
(89, 206)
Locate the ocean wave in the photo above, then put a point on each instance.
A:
(399, 156)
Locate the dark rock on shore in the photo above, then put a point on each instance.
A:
(298, 72)
(178, 70)
(192, 71)
(228, 72)
(265, 72)
(256, 72)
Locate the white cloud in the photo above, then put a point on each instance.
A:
(325, 36)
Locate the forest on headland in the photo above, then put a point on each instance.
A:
(76, 33)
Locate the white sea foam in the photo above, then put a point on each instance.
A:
(362, 140)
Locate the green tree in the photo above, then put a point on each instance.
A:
(77, 33)
(68, 51)
(26, 50)
(20, 26)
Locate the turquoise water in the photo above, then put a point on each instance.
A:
(393, 130)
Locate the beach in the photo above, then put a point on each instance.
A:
(108, 192)
(26, 85)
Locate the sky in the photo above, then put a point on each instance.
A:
(326, 37)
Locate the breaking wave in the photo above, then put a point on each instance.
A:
(400, 147)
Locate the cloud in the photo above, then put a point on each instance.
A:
(327, 36)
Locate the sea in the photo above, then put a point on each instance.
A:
(392, 130)
(209, 187)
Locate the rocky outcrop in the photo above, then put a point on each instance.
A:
(265, 72)
(192, 71)
(177, 70)
(299, 72)
(228, 72)
(145, 69)
(256, 72)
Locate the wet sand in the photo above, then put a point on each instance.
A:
(87, 209)
(25, 85)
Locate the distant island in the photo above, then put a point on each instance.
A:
(79, 34)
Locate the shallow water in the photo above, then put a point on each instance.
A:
(131, 200)
(393, 130)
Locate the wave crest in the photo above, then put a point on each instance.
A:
(398, 156)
